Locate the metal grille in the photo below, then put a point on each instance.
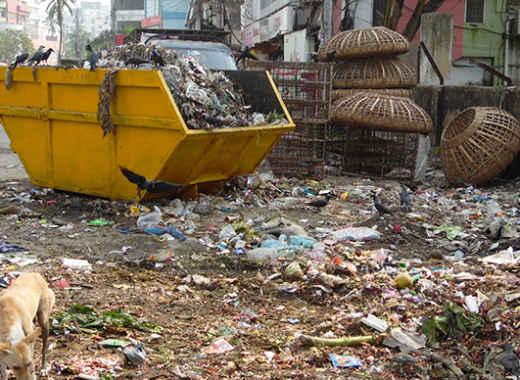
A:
(380, 153)
(305, 88)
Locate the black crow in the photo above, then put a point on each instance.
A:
(247, 54)
(21, 58)
(156, 57)
(150, 186)
(510, 360)
(92, 57)
(37, 57)
(135, 61)
(405, 197)
(320, 202)
(45, 56)
(379, 207)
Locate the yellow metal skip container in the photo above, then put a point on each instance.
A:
(53, 127)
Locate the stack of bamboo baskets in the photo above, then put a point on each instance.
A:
(372, 87)
(386, 132)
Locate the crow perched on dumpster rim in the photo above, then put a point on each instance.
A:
(153, 187)
(379, 207)
(135, 61)
(21, 58)
(37, 57)
(93, 57)
(156, 57)
(45, 56)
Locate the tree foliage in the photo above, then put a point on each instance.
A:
(103, 41)
(54, 11)
(12, 43)
(394, 12)
(75, 42)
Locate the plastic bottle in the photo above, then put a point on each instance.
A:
(493, 208)
(302, 241)
(175, 233)
(263, 255)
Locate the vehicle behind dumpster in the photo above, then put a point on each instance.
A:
(53, 127)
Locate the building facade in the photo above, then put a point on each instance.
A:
(167, 14)
(126, 15)
(94, 17)
(480, 30)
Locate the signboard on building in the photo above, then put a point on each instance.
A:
(297, 47)
(129, 15)
(151, 21)
(267, 28)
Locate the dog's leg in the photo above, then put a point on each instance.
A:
(44, 312)
(3, 371)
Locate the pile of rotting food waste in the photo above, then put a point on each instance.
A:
(206, 99)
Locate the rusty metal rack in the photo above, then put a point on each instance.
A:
(306, 91)
(380, 153)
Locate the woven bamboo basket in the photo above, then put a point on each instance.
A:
(382, 112)
(368, 42)
(374, 73)
(478, 144)
(345, 92)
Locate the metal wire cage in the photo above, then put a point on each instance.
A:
(380, 153)
(478, 144)
(306, 91)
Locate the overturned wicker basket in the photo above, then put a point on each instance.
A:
(478, 144)
(344, 92)
(363, 43)
(374, 73)
(382, 112)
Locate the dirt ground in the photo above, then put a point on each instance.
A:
(258, 309)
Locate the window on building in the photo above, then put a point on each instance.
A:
(475, 11)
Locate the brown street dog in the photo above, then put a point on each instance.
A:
(27, 297)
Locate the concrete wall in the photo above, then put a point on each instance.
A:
(443, 103)
(437, 35)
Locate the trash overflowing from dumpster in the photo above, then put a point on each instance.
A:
(207, 99)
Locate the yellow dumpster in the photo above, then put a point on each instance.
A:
(53, 127)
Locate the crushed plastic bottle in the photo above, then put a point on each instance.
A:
(263, 255)
(152, 218)
(303, 241)
(493, 208)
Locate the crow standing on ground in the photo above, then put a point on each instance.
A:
(156, 57)
(405, 197)
(37, 57)
(19, 59)
(150, 186)
(320, 202)
(92, 57)
(510, 360)
(379, 207)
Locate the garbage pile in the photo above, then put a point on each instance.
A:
(264, 279)
(206, 99)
